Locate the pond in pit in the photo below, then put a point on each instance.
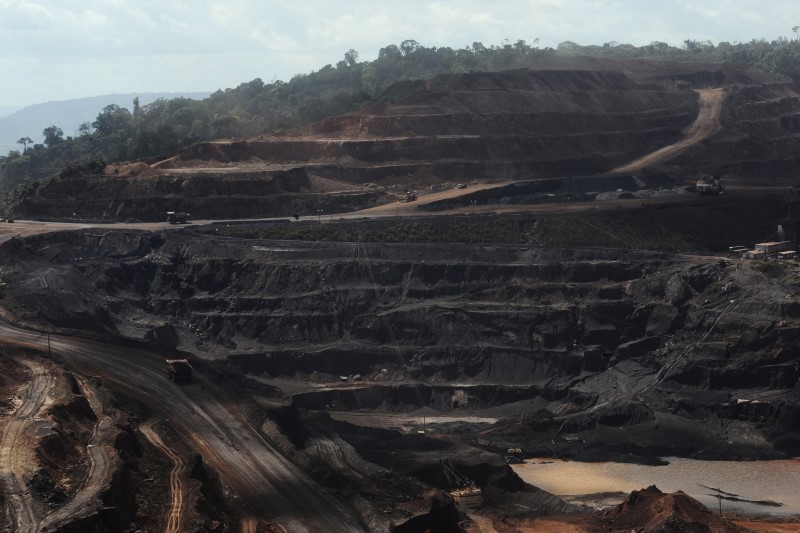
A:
(603, 484)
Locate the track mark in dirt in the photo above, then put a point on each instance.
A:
(401, 207)
(101, 465)
(173, 522)
(14, 451)
(483, 524)
(705, 125)
(253, 525)
(263, 481)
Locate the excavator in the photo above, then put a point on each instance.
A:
(709, 185)
(463, 490)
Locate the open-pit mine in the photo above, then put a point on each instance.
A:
(387, 321)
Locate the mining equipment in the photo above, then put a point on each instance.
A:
(177, 218)
(709, 185)
(179, 370)
(463, 490)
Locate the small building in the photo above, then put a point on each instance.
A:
(773, 247)
(737, 250)
(787, 255)
(753, 254)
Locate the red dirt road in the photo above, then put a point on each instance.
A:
(15, 450)
(706, 125)
(258, 479)
(175, 509)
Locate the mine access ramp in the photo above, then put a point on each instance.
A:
(179, 370)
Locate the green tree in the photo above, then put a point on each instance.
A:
(351, 57)
(24, 141)
(52, 136)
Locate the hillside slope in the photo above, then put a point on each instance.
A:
(481, 126)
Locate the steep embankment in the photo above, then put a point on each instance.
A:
(481, 126)
(568, 330)
(761, 133)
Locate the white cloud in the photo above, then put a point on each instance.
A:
(99, 46)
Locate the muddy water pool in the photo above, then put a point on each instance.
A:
(603, 484)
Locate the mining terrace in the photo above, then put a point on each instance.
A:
(374, 304)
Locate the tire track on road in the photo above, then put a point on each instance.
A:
(176, 505)
(19, 503)
(101, 465)
(264, 484)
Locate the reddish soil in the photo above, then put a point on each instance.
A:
(652, 510)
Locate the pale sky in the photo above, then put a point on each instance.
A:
(63, 49)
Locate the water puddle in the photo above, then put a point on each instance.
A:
(753, 487)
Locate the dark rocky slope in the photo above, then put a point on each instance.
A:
(487, 126)
(580, 340)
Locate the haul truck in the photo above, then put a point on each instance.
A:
(179, 370)
(177, 218)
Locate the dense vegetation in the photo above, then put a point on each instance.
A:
(256, 107)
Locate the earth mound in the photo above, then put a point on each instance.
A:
(654, 511)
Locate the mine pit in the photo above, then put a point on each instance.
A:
(429, 314)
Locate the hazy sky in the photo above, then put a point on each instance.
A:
(61, 49)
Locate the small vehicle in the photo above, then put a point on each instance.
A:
(461, 186)
(177, 218)
(179, 370)
(709, 185)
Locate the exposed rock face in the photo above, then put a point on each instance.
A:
(686, 339)
(488, 126)
(761, 131)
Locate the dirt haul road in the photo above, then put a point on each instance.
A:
(176, 486)
(706, 125)
(102, 463)
(259, 481)
(15, 450)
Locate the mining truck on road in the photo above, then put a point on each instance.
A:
(179, 370)
(177, 218)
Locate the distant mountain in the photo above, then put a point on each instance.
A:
(68, 115)
(6, 110)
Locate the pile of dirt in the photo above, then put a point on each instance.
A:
(12, 375)
(653, 511)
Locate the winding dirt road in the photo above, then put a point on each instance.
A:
(102, 462)
(175, 508)
(705, 125)
(259, 480)
(15, 451)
